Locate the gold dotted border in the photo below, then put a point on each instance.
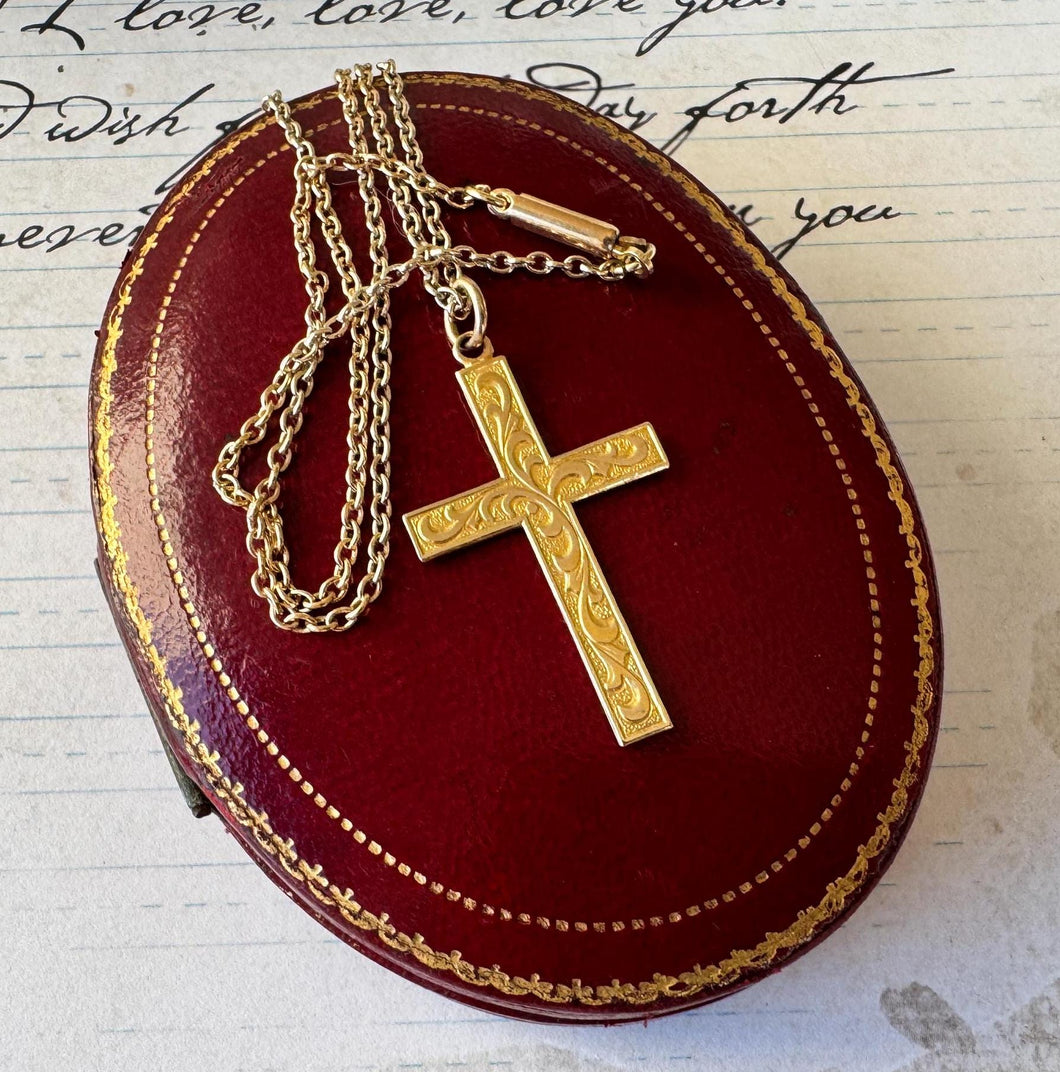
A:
(739, 962)
(273, 749)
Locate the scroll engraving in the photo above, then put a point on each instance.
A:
(537, 492)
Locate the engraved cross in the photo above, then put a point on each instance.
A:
(537, 491)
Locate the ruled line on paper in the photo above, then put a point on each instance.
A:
(145, 865)
(870, 300)
(48, 579)
(47, 327)
(67, 718)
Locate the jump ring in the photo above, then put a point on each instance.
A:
(467, 341)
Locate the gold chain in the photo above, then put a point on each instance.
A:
(416, 196)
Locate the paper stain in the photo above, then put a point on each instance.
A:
(917, 1012)
(1026, 1041)
(1044, 706)
(1032, 1035)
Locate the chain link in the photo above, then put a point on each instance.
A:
(416, 196)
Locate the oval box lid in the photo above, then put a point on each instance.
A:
(440, 785)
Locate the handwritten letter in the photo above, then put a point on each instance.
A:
(902, 157)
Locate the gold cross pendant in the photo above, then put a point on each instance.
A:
(538, 492)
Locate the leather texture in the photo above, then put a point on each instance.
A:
(439, 785)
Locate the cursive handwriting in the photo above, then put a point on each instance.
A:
(349, 12)
(572, 9)
(584, 83)
(52, 23)
(94, 115)
(782, 99)
(834, 217)
(686, 9)
(38, 236)
(164, 14)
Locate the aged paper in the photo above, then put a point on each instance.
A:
(902, 156)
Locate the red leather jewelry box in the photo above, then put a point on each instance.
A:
(438, 786)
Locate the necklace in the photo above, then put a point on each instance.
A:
(533, 489)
